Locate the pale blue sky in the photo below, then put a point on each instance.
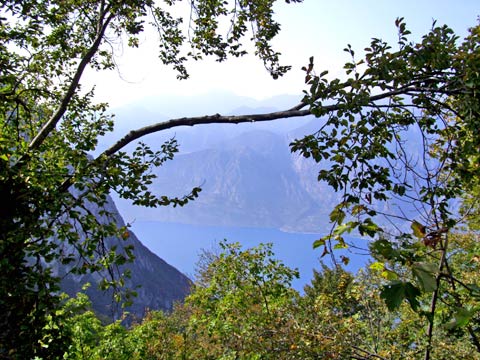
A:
(315, 27)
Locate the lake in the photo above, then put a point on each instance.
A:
(181, 244)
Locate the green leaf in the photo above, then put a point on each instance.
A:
(377, 266)
(393, 294)
(347, 227)
(396, 291)
(425, 274)
(389, 275)
(382, 248)
(368, 227)
(337, 215)
(340, 244)
(461, 318)
(318, 243)
(411, 295)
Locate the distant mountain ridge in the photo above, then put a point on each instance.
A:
(246, 171)
(251, 179)
(248, 176)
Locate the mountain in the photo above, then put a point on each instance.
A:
(247, 174)
(250, 180)
(158, 284)
(154, 110)
(246, 171)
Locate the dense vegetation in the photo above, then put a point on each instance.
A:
(423, 286)
(402, 137)
(243, 307)
(49, 124)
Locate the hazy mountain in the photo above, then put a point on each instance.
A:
(248, 176)
(153, 110)
(249, 180)
(247, 173)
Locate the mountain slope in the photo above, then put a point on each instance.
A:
(249, 180)
(158, 284)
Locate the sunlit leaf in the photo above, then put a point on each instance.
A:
(460, 318)
(377, 266)
(418, 229)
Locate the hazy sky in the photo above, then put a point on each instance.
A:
(315, 27)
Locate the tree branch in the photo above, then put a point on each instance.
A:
(237, 119)
(221, 119)
(233, 119)
(191, 121)
(434, 300)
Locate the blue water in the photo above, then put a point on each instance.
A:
(180, 245)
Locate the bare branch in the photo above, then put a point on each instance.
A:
(208, 119)
(234, 119)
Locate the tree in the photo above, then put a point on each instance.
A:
(400, 131)
(344, 316)
(50, 124)
(325, 314)
(83, 325)
(242, 305)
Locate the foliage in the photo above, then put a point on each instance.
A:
(242, 310)
(339, 316)
(83, 325)
(401, 130)
(470, 207)
(48, 183)
(325, 313)
(398, 142)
